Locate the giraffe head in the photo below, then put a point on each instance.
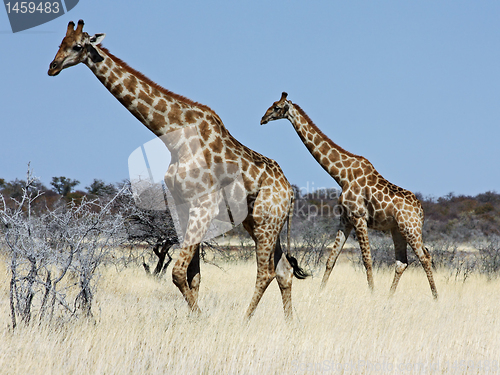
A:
(278, 110)
(76, 47)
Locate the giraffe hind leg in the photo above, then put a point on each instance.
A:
(400, 247)
(284, 274)
(264, 278)
(425, 259)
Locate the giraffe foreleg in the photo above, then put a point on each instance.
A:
(340, 240)
(194, 274)
(186, 271)
(362, 235)
(179, 276)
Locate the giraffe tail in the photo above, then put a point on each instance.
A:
(298, 271)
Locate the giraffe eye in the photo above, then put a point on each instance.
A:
(77, 47)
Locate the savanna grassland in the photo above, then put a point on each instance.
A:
(142, 325)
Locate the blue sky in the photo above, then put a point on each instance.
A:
(412, 86)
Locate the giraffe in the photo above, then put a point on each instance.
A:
(367, 201)
(204, 159)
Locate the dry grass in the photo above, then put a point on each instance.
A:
(143, 326)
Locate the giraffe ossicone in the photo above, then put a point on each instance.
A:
(368, 200)
(206, 159)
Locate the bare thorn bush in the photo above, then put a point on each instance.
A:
(54, 255)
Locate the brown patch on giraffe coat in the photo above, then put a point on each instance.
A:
(317, 140)
(182, 174)
(229, 154)
(131, 83)
(204, 130)
(174, 114)
(194, 173)
(216, 146)
(244, 165)
(146, 87)
(146, 98)
(158, 121)
(324, 149)
(112, 78)
(207, 154)
(191, 116)
(357, 173)
(154, 92)
(108, 63)
(161, 106)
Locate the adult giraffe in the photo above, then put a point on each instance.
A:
(368, 200)
(206, 159)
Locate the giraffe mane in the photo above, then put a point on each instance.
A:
(153, 84)
(323, 135)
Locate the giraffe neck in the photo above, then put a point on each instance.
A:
(333, 158)
(160, 110)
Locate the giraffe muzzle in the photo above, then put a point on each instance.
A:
(54, 68)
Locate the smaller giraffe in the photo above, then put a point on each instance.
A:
(368, 200)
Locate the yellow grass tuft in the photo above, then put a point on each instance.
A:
(143, 326)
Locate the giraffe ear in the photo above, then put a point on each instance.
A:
(94, 55)
(97, 38)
